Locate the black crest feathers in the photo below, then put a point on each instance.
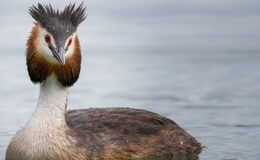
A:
(71, 15)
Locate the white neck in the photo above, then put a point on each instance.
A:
(50, 110)
(51, 107)
(45, 134)
(52, 103)
(53, 97)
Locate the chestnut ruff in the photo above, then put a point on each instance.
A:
(40, 69)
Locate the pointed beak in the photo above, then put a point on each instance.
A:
(59, 54)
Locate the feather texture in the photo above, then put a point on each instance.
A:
(125, 133)
(71, 14)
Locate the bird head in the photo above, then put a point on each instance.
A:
(53, 46)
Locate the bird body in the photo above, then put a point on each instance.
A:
(53, 59)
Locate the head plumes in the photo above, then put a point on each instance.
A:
(71, 15)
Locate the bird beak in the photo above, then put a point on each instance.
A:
(59, 54)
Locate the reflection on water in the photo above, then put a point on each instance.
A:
(194, 62)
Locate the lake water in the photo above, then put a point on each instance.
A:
(196, 62)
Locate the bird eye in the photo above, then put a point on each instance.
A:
(69, 43)
(47, 38)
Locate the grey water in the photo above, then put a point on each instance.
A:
(196, 62)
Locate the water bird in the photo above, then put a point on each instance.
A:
(53, 59)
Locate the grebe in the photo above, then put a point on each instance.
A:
(53, 59)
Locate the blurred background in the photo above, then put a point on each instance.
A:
(196, 62)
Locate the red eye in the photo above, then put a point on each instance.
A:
(69, 43)
(47, 39)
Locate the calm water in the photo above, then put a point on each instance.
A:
(196, 62)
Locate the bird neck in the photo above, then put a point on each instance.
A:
(52, 100)
(45, 134)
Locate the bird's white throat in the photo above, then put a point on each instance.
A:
(52, 98)
(51, 107)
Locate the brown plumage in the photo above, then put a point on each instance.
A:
(124, 133)
(40, 69)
